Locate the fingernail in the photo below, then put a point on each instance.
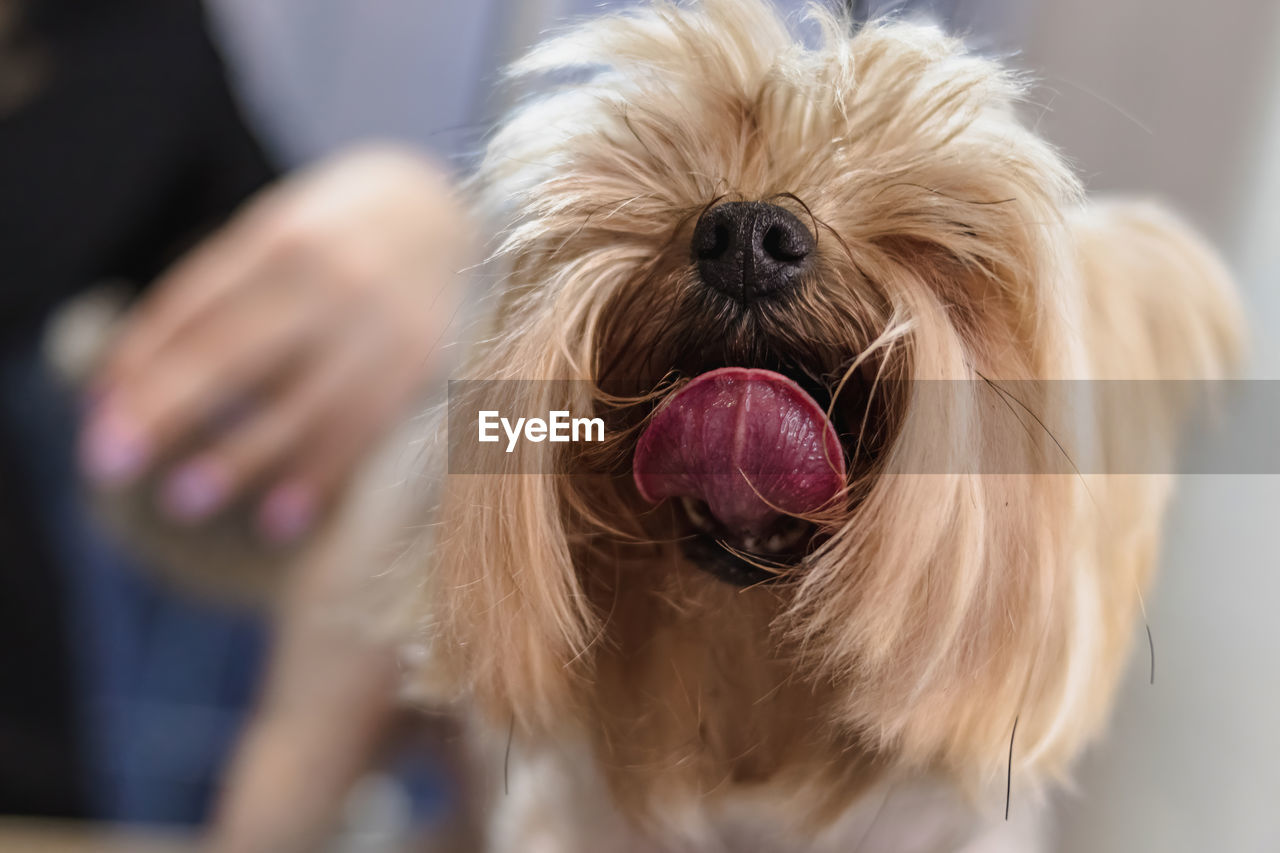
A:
(114, 452)
(194, 492)
(287, 513)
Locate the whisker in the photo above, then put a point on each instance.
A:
(1008, 779)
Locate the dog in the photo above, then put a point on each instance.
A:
(789, 603)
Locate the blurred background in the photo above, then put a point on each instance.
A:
(1182, 101)
(120, 698)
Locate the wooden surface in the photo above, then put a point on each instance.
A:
(27, 836)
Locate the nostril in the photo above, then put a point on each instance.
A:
(715, 243)
(784, 245)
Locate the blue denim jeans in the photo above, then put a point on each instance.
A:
(162, 682)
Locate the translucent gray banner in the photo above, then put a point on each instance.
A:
(1069, 427)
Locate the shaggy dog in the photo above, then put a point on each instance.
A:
(796, 600)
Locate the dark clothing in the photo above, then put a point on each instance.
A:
(39, 748)
(129, 150)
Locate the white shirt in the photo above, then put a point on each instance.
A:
(315, 75)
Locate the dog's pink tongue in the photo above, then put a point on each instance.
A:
(751, 443)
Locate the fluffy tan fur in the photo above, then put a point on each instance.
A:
(945, 602)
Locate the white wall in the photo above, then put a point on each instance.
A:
(1182, 99)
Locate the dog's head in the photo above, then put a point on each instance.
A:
(743, 251)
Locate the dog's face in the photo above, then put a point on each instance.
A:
(744, 252)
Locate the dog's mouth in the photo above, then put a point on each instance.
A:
(751, 458)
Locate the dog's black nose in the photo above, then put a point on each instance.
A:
(749, 249)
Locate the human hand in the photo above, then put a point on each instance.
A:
(271, 358)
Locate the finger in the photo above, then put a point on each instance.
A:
(189, 290)
(205, 483)
(244, 345)
(323, 465)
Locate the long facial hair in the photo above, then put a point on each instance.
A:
(935, 606)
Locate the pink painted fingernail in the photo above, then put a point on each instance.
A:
(113, 451)
(194, 492)
(287, 513)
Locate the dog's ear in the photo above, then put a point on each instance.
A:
(506, 615)
(1162, 300)
(1163, 324)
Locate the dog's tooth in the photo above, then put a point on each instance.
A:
(776, 543)
(696, 514)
